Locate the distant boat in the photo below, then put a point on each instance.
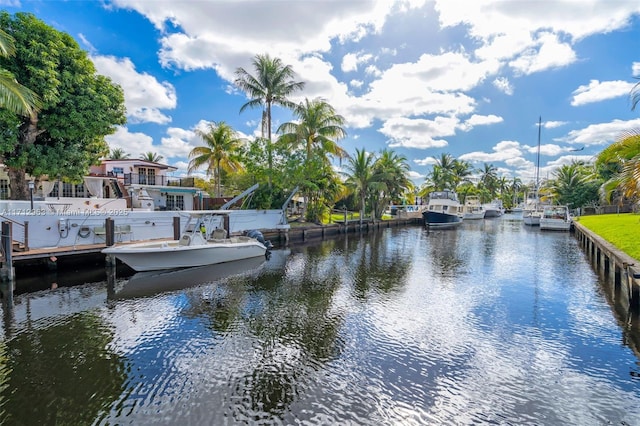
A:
(472, 208)
(443, 210)
(555, 218)
(493, 209)
(532, 211)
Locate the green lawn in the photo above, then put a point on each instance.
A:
(621, 230)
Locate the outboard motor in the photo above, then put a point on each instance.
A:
(254, 233)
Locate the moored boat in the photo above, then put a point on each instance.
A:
(443, 210)
(472, 208)
(493, 209)
(201, 243)
(555, 218)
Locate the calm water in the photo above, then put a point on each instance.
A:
(493, 322)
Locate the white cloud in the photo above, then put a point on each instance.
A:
(553, 124)
(597, 91)
(602, 133)
(504, 85)
(635, 69)
(548, 52)
(418, 133)
(503, 151)
(144, 95)
(350, 61)
(480, 120)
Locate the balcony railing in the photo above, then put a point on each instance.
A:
(138, 179)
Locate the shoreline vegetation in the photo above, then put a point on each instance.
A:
(620, 229)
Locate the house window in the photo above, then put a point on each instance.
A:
(67, 189)
(142, 175)
(117, 171)
(175, 202)
(80, 191)
(4, 189)
(151, 176)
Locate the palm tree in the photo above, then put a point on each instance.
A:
(118, 154)
(14, 96)
(391, 172)
(272, 85)
(318, 128)
(489, 179)
(460, 173)
(446, 164)
(222, 145)
(151, 156)
(361, 176)
(619, 165)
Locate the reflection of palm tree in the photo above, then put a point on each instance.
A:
(14, 96)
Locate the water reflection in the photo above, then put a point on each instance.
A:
(488, 323)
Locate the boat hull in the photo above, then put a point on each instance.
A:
(555, 225)
(169, 254)
(440, 220)
(531, 218)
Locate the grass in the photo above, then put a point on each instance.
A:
(621, 230)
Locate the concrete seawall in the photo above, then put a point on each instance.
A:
(310, 231)
(619, 271)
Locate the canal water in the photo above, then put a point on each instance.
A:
(491, 323)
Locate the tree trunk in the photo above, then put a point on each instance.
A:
(17, 179)
(18, 184)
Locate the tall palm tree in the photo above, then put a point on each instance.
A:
(318, 128)
(222, 146)
(272, 84)
(391, 172)
(315, 133)
(361, 176)
(461, 173)
(446, 164)
(489, 179)
(151, 156)
(14, 96)
(118, 154)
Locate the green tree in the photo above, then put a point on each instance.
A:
(271, 85)
(619, 167)
(488, 181)
(154, 157)
(79, 107)
(573, 185)
(391, 173)
(118, 154)
(316, 133)
(13, 96)
(361, 176)
(219, 153)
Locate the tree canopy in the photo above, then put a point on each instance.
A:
(79, 107)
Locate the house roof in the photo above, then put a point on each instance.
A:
(136, 162)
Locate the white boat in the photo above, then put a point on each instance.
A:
(443, 210)
(555, 218)
(472, 208)
(493, 209)
(201, 243)
(531, 216)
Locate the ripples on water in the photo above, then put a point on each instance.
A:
(491, 323)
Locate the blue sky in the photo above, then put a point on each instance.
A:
(464, 77)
